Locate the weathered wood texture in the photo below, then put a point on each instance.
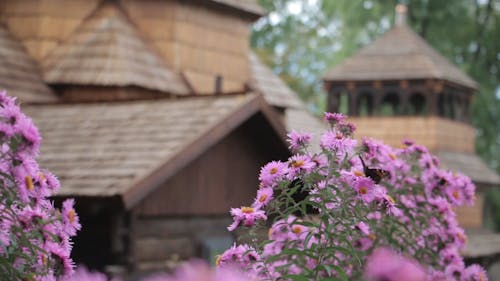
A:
(223, 177)
(19, 74)
(433, 132)
(160, 241)
(471, 216)
(42, 24)
(201, 41)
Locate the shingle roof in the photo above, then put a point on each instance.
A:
(107, 149)
(469, 164)
(275, 91)
(249, 6)
(398, 54)
(106, 50)
(19, 74)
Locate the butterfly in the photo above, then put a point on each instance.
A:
(375, 174)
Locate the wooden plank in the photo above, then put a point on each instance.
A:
(158, 249)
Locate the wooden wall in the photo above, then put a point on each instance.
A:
(433, 132)
(471, 216)
(201, 41)
(225, 176)
(161, 243)
(41, 24)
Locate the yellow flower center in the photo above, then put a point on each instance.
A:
(273, 170)
(270, 233)
(481, 276)
(247, 210)
(455, 194)
(372, 236)
(297, 163)
(363, 190)
(71, 216)
(262, 198)
(391, 199)
(392, 156)
(217, 260)
(29, 183)
(297, 229)
(358, 173)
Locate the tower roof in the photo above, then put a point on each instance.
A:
(19, 74)
(106, 50)
(398, 54)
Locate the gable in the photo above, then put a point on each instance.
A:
(224, 176)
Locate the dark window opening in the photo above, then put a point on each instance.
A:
(390, 105)
(417, 105)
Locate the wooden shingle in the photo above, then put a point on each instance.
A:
(107, 50)
(19, 74)
(399, 54)
(275, 91)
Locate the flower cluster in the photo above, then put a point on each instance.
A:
(327, 212)
(34, 236)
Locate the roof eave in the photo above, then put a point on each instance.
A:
(133, 195)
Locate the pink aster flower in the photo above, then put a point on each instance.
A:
(83, 274)
(455, 271)
(264, 196)
(298, 140)
(475, 273)
(246, 216)
(363, 227)
(70, 218)
(337, 142)
(273, 172)
(334, 118)
(385, 265)
(299, 163)
(365, 188)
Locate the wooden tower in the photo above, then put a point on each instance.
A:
(399, 87)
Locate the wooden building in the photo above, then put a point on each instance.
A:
(399, 87)
(155, 115)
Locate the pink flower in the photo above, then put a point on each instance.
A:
(298, 164)
(246, 216)
(337, 142)
(385, 265)
(365, 189)
(273, 172)
(475, 273)
(83, 274)
(264, 196)
(363, 227)
(298, 140)
(70, 218)
(334, 118)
